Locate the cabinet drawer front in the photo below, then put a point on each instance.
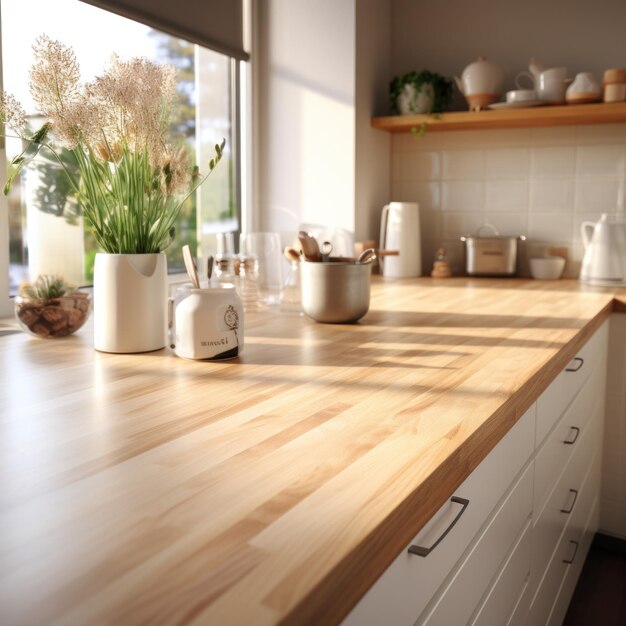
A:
(555, 399)
(561, 443)
(504, 593)
(402, 592)
(565, 496)
(571, 549)
(456, 602)
(520, 612)
(565, 593)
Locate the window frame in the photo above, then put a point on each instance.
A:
(241, 139)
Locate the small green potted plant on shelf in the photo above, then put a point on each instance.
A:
(420, 92)
(131, 181)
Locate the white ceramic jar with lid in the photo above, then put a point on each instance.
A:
(614, 84)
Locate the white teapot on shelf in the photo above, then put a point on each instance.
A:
(481, 83)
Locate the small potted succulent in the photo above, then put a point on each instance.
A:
(51, 308)
(424, 92)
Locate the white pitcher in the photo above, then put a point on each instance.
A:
(604, 262)
(400, 230)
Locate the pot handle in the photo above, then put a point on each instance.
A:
(585, 227)
(494, 230)
(383, 233)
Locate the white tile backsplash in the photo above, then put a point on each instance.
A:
(554, 136)
(420, 165)
(550, 162)
(542, 226)
(458, 224)
(604, 160)
(604, 134)
(462, 164)
(427, 195)
(506, 195)
(597, 195)
(542, 182)
(552, 195)
(507, 163)
(508, 224)
(463, 195)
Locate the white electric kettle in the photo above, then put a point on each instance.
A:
(400, 230)
(604, 262)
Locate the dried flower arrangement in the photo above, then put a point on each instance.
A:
(132, 182)
(50, 307)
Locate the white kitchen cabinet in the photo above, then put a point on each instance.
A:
(566, 483)
(561, 503)
(503, 598)
(488, 554)
(522, 513)
(409, 583)
(561, 392)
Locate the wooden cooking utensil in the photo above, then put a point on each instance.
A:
(367, 256)
(310, 247)
(291, 254)
(191, 267)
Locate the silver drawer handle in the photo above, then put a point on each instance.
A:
(579, 362)
(570, 561)
(576, 433)
(420, 550)
(575, 492)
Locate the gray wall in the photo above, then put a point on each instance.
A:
(305, 143)
(446, 35)
(372, 179)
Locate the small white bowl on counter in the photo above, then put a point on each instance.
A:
(547, 268)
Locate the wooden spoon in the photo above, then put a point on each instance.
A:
(310, 247)
(191, 267)
(291, 254)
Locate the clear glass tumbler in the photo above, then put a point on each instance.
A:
(265, 248)
(224, 266)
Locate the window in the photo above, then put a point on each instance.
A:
(46, 233)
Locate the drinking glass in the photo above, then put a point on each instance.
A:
(264, 249)
(224, 267)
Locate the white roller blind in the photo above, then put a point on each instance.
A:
(215, 24)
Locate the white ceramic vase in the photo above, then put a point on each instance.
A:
(130, 302)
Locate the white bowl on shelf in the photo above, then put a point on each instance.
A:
(547, 268)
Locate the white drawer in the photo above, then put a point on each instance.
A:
(402, 592)
(584, 538)
(457, 600)
(560, 444)
(555, 399)
(503, 596)
(520, 612)
(564, 497)
(569, 550)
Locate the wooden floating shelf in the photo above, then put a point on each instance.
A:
(568, 115)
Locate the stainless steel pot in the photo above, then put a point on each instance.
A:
(335, 292)
(490, 255)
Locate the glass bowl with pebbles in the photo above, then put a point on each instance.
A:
(50, 308)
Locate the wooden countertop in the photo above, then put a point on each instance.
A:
(276, 488)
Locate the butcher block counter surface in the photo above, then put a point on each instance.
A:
(276, 488)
